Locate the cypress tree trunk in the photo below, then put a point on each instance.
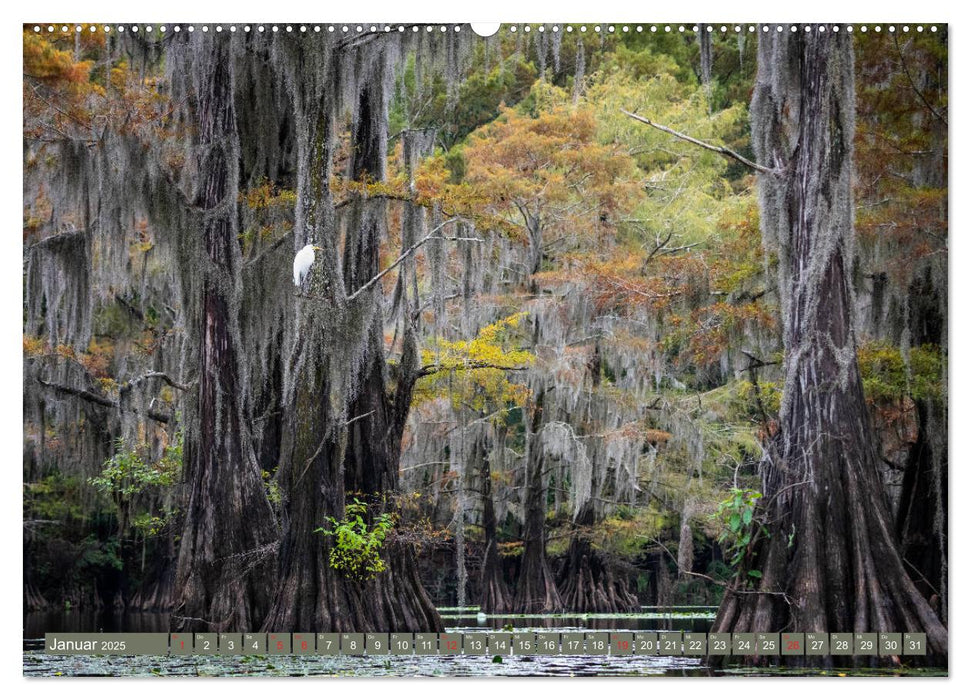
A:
(494, 595)
(536, 590)
(587, 581)
(396, 599)
(229, 532)
(831, 562)
(921, 521)
(345, 427)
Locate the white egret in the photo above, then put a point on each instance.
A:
(302, 262)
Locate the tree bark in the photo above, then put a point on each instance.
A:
(494, 594)
(831, 562)
(536, 589)
(922, 517)
(229, 531)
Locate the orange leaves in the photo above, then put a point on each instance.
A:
(550, 166)
(97, 361)
(656, 437)
(905, 224)
(434, 186)
(901, 151)
(708, 331)
(72, 92)
(35, 346)
(44, 62)
(56, 87)
(624, 282)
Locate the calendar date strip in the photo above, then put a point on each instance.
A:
(532, 643)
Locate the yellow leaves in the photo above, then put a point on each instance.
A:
(485, 349)
(627, 530)
(432, 177)
(474, 373)
(118, 76)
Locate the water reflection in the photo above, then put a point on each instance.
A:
(37, 624)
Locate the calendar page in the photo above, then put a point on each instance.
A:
(519, 349)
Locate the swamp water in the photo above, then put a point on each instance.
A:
(694, 619)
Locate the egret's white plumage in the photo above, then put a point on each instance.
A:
(302, 262)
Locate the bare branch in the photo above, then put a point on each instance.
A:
(408, 251)
(57, 238)
(913, 85)
(78, 392)
(357, 418)
(727, 152)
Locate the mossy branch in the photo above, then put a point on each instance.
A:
(91, 397)
(436, 368)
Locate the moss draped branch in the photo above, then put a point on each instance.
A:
(98, 399)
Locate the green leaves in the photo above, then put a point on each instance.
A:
(134, 484)
(737, 513)
(127, 473)
(357, 549)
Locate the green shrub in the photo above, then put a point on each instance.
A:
(134, 484)
(356, 553)
(736, 514)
